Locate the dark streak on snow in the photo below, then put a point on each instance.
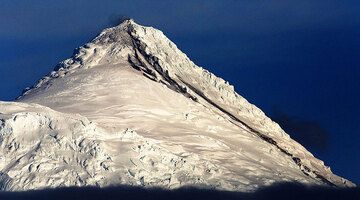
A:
(137, 63)
(306, 170)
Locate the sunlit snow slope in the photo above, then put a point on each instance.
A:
(130, 108)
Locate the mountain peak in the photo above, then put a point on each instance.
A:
(126, 21)
(132, 77)
(125, 41)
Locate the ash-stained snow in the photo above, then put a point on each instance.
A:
(130, 108)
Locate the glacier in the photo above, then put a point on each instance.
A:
(129, 108)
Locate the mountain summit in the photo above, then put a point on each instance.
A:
(130, 108)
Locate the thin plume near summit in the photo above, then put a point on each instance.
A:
(129, 108)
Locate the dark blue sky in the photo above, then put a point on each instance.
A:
(297, 60)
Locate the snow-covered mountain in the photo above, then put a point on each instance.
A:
(130, 108)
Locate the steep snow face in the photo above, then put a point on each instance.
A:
(149, 117)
